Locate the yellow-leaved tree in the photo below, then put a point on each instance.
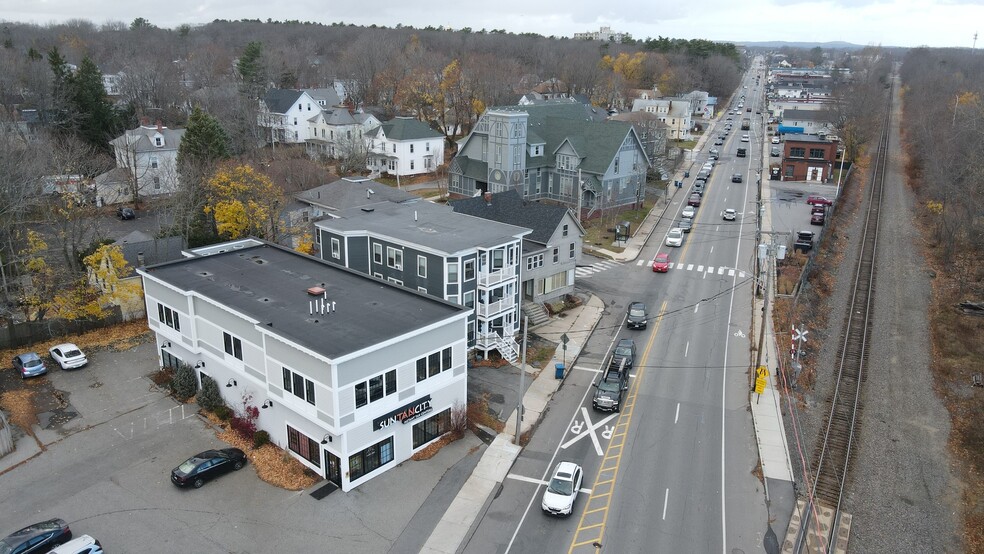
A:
(110, 272)
(35, 298)
(305, 245)
(244, 202)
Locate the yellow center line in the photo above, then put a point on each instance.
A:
(625, 420)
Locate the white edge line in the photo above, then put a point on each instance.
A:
(666, 502)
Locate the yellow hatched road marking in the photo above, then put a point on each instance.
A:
(626, 421)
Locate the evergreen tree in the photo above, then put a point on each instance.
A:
(98, 121)
(204, 141)
(251, 70)
(209, 398)
(184, 383)
(204, 144)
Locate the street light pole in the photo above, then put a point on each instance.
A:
(522, 381)
(840, 174)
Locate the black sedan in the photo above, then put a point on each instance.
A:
(207, 465)
(125, 213)
(40, 537)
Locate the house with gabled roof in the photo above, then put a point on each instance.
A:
(286, 114)
(675, 113)
(329, 199)
(564, 152)
(551, 251)
(338, 133)
(149, 154)
(404, 146)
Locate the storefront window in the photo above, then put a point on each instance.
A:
(370, 459)
(303, 446)
(431, 428)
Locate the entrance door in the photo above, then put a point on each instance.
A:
(333, 468)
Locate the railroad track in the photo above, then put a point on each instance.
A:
(833, 453)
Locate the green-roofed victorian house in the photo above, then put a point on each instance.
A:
(564, 152)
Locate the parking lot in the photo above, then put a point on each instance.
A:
(107, 441)
(789, 210)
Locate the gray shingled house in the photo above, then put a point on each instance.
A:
(561, 152)
(550, 253)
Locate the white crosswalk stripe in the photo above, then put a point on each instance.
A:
(589, 270)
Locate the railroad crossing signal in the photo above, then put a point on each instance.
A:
(799, 336)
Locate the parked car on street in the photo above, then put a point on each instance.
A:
(40, 537)
(688, 212)
(694, 200)
(562, 489)
(662, 263)
(68, 356)
(207, 465)
(817, 218)
(713, 153)
(685, 224)
(674, 237)
(29, 364)
(775, 140)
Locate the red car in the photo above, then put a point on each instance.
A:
(662, 263)
(817, 200)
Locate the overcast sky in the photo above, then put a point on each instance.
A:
(889, 23)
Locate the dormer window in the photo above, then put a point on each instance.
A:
(158, 141)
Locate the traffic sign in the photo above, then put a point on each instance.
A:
(762, 371)
(564, 338)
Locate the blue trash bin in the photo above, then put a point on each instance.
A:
(559, 369)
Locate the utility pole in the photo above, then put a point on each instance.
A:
(522, 382)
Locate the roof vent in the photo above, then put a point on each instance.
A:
(316, 291)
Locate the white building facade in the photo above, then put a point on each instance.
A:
(351, 375)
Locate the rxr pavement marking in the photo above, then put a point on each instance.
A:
(525, 479)
(586, 428)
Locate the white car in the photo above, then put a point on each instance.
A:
(775, 140)
(562, 489)
(688, 211)
(730, 214)
(674, 237)
(81, 545)
(68, 356)
(744, 138)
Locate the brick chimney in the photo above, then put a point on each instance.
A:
(159, 126)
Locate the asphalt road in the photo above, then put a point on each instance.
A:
(673, 472)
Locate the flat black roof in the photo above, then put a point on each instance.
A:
(269, 284)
